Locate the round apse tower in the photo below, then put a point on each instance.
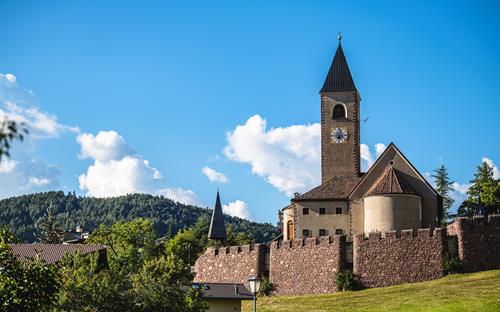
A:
(392, 204)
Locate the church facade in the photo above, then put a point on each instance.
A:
(391, 195)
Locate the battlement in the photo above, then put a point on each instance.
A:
(230, 264)
(308, 242)
(493, 220)
(403, 234)
(234, 249)
(383, 261)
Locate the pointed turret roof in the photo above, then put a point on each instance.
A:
(217, 227)
(392, 182)
(339, 77)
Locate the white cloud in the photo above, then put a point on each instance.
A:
(10, 78)
(38, 181)
(379, 149)
(180, 195)
(496, 172)
(460, 188)
(237, 208)
(366, 157)
(7, 165)
(214, 176)
(27, 175)
(25, 172)
(20, 105)
(117, 170)
(106, 145)
(288, 158)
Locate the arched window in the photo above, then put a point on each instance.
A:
(289, 230)
(339, 111)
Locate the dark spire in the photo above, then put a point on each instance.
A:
(217, 228)
(339, 77)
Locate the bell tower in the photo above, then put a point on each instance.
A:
(340, 154)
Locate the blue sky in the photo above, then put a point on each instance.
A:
(134, 95)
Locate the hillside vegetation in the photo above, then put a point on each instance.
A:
(459, 292)
(22, 213)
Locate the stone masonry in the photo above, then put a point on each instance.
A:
(306, 266)
(230, 264)
(478, 243)
(413, 257)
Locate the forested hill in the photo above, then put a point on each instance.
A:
(23, 212)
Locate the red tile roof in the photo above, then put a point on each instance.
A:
(51, 253)
(392, 182)
(335, 188)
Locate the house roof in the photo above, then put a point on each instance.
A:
(51, 253)
(339, 77)
(217, 228)
(392, 146)
(335, 188)
(224, 291)
(392, 182)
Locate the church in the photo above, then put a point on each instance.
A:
(392, 195)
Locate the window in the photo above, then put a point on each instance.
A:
(338, 210)
(339, 111)
(305, 233)
(339, 232)
(323, 232)
(305, 211)
(289, 230)
(322, 211)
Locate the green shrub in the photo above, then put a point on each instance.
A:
(344, 280)
(265, 287)
(451, 264)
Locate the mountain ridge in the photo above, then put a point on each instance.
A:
(22, 213)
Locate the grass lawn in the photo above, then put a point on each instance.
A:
(460, 292)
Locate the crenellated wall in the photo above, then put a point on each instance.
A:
(414, 257)
(230, 264)
(306, 266)
(478, 243)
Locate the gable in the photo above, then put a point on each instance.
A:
(400, 163)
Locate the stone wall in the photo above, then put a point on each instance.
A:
(230, 264)
(478, 243)
(306, 266)
(414, 257)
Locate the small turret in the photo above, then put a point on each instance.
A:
(217, 229)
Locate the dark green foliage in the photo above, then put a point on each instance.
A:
(7, 237)
(344, 280)
(266, 287)
(23, 212)
(451, 264)
(26, 286)
(10, 131)
(136, 278)
(49, 230)
(443, 185)
(483, 186)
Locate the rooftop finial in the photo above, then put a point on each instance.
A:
(339, 36)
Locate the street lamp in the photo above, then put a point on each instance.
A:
(254, 283)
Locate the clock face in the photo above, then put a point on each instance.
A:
(339, 135)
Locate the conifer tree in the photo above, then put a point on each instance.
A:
(49, 230)
(485, 187)
(443, 185)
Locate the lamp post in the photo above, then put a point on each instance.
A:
(254, 283)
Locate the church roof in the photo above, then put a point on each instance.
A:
(217, 228)
(335, 188)
(339, 77)
(391, 182)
